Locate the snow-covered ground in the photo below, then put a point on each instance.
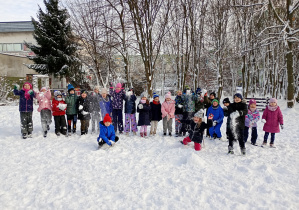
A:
(138, 173)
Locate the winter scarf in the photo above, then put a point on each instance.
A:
(155, 102)
(272, 108)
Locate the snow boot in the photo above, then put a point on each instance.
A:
(182, 142)
(48, 127)
(243, 151)
(170, 134)
(230, 150)
(176, 134)
(145, 134)
(141, 134)
(264, 144)
(29, 135)
(45, 133)
(272, 146)
(135, 133)
(58, 134)
(254, 144)
(24, 135)
(164, 134)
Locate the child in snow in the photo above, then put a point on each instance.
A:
(272, 117)
(156, 114)
(199, 104)
(208, 101)
(95, 109)
(178, 113)
(226, 103)
(25, 108)
(144, 110)
(83, 108)
(107, 133)
(105, 103)
(189, 99)
(44, 102)
(130, 112)
(196, 130)
(58, 108)
(215, 116)
(251, 119)
(236, 117)
(71, 110)
(168, 109)
(118, 96)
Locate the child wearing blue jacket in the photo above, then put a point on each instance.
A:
(107, 133)
(216, 115)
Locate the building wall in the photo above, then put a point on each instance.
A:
(17, 37)
(12, 66)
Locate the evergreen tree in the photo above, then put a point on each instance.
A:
(55, 52)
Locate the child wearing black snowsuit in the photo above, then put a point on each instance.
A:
(156, 114)
(179, 112)
(226, 103)
(236, 117)
(83, 108)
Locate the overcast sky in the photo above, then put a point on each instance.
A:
(19, 10)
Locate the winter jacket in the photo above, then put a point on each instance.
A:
(273, 120)
(207, 102)
(107, 133)
(189, 102)
(117, 99)
(216, 113)
(106, 106)
(196, 132)
(252, 118)
(242, 110)
(144, 114)
(156, 114)
(44, 100)
(199, 104)
(226, 114)
(95, 102)
(24, 104)
(86, 103)
(168, 108)
(71, 101)
(179, 101)
(130, 105)
(55, 110)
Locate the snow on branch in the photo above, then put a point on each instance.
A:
(294, 8)
(275, 13)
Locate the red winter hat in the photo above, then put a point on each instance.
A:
(107, 118)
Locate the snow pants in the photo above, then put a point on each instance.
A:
(266, 137)
(70, 119)
(187, 140)
(154, 125)
(130, 122)
(178, 123)
(216, 130)
(60, 124)
(102, 141)
(117, 115)
(26, 122)
(236, 135)
(95, 119)
(167, 124)
(84, 126)
(46, 118)
(187, 117)
(253, 134)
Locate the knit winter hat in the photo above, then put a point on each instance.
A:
(57, 93)
(144, 94)
(199, 114)
(118, 85)
(198, 90)
(103, 90)
(155, 95)
(97, 88)
(28, 84)
(226, 100)
(215, 100)
(168, 95)
(107, 118)
(70, 87)
(238, 95)
(273, 100)
(214, 94)
(83, 91)
(252, 101)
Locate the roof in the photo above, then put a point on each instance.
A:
(19, 26)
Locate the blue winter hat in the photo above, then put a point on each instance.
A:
(155, 95)
(70, 87)
(198, 90)
(238, 95)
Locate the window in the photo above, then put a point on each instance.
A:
(12, 47)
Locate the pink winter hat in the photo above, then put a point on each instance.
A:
(28, 84)
(252, 101)
(118, 85)
(43, 88)
(273, 100)
(168, 95)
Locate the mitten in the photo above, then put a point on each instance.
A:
(80, 107)
(140, 106)
(225, 108)
(31, 92)
(263, 121)
(214, 123)
(16, 87)
(281, 126)
(180, 105)
(84, 113)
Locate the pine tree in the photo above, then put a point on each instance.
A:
(55, 52)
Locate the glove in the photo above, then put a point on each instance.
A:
(180, 105)
(214, 123)
(16, 87)
(263, 121)
(85, 113)
(281, 126)
(31, 92)
(140, 106)
(225, 108)
(80, 107)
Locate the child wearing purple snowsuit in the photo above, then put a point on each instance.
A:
(130, 112)
(118, 96)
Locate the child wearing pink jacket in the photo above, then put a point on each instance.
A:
(168, 109)
(44, 101)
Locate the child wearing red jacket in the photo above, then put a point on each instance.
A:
(58, 111)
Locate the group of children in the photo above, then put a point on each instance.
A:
(187, 110)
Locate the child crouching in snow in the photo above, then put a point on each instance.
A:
(251, 119)
(58, 108)
(44, 101)
(167, 109)
(197, 127)
(272, 117)
(107, 132)
(25, 108)
(144, 110)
